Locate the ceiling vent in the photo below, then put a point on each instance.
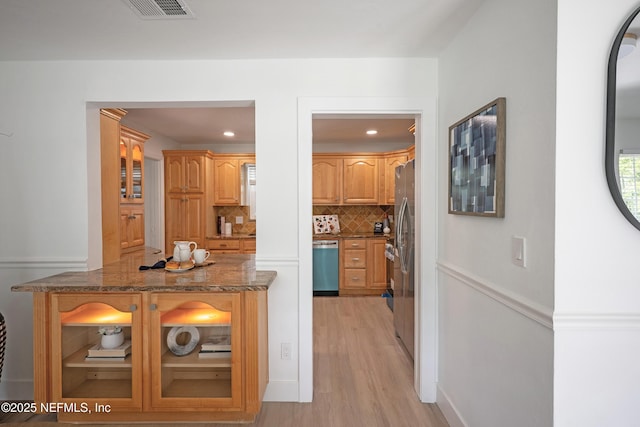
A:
(160, 9)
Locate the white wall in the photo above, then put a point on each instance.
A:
(597, 298)
(496, 339)
(50, 171)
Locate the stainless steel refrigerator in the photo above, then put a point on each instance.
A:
(403, 293)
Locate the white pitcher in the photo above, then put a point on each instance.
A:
(182, 251)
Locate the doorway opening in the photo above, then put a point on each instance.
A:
(423, 110)
(354, 211)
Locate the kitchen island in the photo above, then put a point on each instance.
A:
(166, 371)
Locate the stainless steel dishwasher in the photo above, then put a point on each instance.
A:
(325, 268)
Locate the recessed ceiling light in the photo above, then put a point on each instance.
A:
(372, 132)
(229, 133)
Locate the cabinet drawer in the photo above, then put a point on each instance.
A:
(355, 243)
(249, 246)
(224, 244)
(355, 258)
(355, 278)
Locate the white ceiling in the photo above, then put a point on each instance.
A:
(230, 29)
(233, 29)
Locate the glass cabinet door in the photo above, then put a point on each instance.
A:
(124, 171)
(195, 350)
(136, 172)
(83, 369)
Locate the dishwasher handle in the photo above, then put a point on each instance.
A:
(325, 244)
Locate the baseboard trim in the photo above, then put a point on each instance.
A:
(527, 308)
(282, 391)
(448, 409)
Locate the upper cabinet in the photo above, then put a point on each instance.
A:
(361, 180)
(132, 165)
(226, 181)
(387, 194)
(185, 173)
(327, 181)
(356, 179)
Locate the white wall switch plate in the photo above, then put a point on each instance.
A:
(519, 251)
(239, 219)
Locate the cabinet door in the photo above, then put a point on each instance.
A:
(327, 181)
(174, 174)
(226, 182)
(194, 174)
(377, 264)
(76, 377)
(187, 372)
(361, 181)
(391, 163)
(184, 219)
(136, 168)
(131, 227)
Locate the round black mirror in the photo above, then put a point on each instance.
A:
(622, 139)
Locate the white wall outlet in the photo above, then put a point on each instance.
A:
(285, 351)
(519, 251)
(239, 219)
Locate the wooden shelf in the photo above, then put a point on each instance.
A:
(97, 317)
(77, 360)
(196, 317)
(170, 360)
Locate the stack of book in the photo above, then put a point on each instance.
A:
(119, 353)
(216, 346)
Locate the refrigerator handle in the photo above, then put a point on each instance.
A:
(401, 244)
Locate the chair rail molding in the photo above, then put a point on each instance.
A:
(532, 310)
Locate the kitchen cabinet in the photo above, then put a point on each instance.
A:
(361, 181)
(362, 266)
(132, 165)
(74, 329)
(231, 246)
(161, 380)
(248, 246)
(188, 196)
(226, 182)
(131, 227)
(327, 181)
(110, 182)
(387, 195)
(185, 218)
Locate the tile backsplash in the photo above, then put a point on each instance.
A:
(231, 212)
(355, 219)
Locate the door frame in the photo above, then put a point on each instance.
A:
(424, 109)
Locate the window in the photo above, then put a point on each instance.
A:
(629, 175)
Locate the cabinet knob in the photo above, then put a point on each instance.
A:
(355, 259)
(355, 278)
(131, 217)
(153, 307)
(355, 245)
(133, 307)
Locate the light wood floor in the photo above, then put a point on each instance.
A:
(362, 375)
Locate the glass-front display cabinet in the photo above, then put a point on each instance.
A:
(195, 350)
(96, 349)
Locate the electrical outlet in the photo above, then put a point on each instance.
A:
(239, 219)
(285, 351)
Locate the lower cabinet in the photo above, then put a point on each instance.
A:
(231, 246)
(192, 356)
(131, 228)
(363, 268)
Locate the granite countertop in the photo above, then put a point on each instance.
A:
(350, 236)
(227, 273)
